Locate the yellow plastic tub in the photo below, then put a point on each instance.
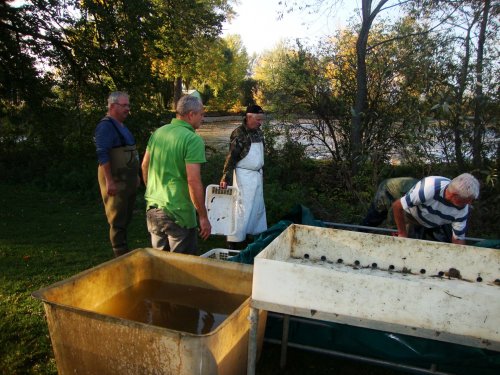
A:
(93, 333)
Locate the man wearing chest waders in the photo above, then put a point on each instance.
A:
(118, 171)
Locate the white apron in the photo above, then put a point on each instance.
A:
(250, 209)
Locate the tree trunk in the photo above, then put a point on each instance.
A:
(361, 100)
(360, 109)
(458, 114)
(478, 95)
(177, 90)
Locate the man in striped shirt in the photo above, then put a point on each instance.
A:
(435, 201)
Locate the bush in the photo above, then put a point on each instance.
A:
(290, 178)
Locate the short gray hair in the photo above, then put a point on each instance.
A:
(188, 103)
(465, 185)
(115, 95)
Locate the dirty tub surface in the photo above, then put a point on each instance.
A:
(87, 340)
(426, 289)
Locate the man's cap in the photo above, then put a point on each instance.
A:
(254, 108)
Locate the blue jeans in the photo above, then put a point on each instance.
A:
(167, 235)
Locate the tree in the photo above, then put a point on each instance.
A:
(467, 24)
(197, 24)
(462, 78)
(360, 111)
(220, 72)
(60, 59)
(267, 74)
(28, 43)
(479, 107)
(440, 18)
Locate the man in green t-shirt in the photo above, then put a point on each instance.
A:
(174, 190)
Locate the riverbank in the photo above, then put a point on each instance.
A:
(211, 119)
(51, 237)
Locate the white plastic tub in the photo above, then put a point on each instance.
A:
(427, 289)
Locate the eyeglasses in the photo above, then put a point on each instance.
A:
(123, 105)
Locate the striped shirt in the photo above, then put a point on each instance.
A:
(425, 202)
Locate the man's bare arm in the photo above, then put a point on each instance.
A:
(145, 167)
(399, 218)
(198, 198)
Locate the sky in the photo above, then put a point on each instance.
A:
(260, 29)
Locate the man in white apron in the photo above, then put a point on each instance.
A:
(243, 169)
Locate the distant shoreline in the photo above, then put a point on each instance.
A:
(209, 119)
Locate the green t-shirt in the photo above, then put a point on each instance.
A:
(171, 147)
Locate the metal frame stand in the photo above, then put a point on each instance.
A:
(378, 230)
(284, 340)
(252, 340)
(285, 344)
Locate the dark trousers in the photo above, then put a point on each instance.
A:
(169, 236)
(373, 217)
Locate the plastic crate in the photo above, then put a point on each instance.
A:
(221, 208)
(221, 254)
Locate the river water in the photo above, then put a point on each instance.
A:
(216, 134)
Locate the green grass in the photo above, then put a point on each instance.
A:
(43, 238)
(46, 237)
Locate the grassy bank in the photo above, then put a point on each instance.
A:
(44, 238)
(47, 237)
